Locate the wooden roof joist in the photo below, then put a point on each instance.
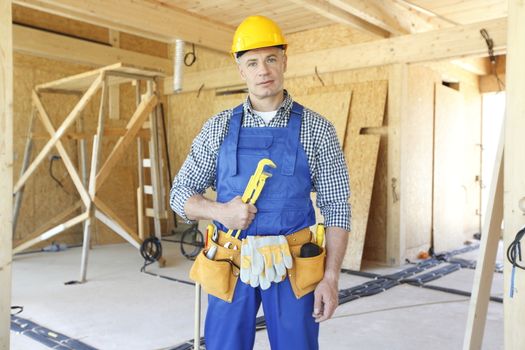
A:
(155, 21)
(448, 43)
(60, 47)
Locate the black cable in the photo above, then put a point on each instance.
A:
(514, 250)
(53, 158)
(191, 55)
(492, 57)
(17, 309)
(151, 251)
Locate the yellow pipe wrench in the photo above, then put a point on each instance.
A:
(255, 186)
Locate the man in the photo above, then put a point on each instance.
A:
(305, 149)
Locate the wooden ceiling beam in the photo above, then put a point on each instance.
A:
(153, 20)
(339, 15)
(372, 12)
(449, 43)
(60, 47)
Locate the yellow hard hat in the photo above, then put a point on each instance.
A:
(256, 32)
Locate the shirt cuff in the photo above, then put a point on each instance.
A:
(178, 198)
(338, 216)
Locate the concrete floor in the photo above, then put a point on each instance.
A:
(122, 308)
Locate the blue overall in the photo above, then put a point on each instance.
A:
(283, 207)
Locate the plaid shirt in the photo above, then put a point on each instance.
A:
(328, 170)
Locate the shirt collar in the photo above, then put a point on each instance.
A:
(283, 112)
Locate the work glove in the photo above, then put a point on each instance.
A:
(248, 256)
(276, 258)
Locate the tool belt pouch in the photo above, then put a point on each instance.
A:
(219, 276)
(306, 273)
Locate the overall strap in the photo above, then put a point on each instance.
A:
(232, 139)
(292, 142)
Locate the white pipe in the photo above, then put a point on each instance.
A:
(177, 68)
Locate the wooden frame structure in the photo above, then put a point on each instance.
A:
(87, 84)
(6, 168)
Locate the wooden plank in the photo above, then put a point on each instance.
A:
(108, 132)
(53, 231)
(114, 91)
(396, 208)
(44, 117)
(361, 153)
(80, 82)
(417, 124)
(134, 125)
(6, 169)
(449, 168)
(111, 220)
(374, 12)
(145, 19)
(490, 236)
(97, 142)
(455, 42)
(140, 213)
(59, 132)
(514, 180)
(25, 163)
(22, 245)
(335, 13)
(64, 48)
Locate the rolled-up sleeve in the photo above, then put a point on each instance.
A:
(196, 174)
(331, 182)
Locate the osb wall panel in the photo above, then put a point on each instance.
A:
(472, 109)
(375, 240)
(449, 169)
(43, 197)
(417, 148)
(361, 152)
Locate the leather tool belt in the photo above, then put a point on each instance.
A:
(219, 276)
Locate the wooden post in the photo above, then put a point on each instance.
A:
(6, 168)
(114, 91)
(514, 180)
(491, 232)
(397, 105)
(95, 157)
(25, 163)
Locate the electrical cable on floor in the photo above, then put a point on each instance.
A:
(16, 309)
(381, 283)
(401, 307)
(151, 251)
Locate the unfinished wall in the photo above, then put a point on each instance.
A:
(44, 198)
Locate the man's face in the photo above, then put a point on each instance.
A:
(263, 70)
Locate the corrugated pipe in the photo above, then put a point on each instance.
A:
(178, 65)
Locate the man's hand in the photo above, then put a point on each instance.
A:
(325, 299)
(236, 215)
